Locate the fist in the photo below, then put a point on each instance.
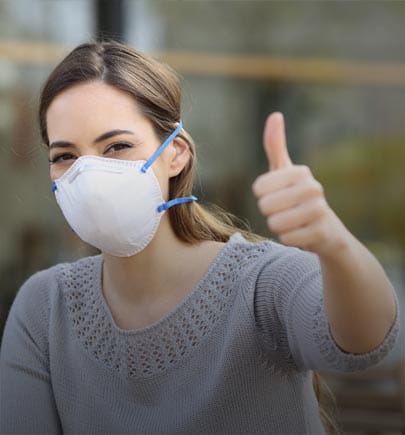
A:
(292, 200)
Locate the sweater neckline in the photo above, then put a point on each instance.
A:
(186, 301)
(151, 350)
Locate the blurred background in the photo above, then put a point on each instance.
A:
(335, 69)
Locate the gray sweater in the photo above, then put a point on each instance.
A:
(235, 356)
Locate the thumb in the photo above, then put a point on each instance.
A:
(275, 143)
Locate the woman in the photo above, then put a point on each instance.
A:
(184, 322)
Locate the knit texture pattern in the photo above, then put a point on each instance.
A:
(234, 356)
(152, 350)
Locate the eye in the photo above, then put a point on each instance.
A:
(61, 158)
(119, 146)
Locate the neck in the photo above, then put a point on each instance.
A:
(146, 277)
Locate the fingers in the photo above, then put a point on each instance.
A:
(291, 196)
(296, 217)
(308, 236)
(275, 180)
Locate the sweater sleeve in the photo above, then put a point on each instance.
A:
(291, 316)
(27, 403)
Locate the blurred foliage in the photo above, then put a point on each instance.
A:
(364, 182)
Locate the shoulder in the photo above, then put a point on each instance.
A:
(34, 297)
(35, 290)
(270, 257)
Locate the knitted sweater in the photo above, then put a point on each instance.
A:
(234, 356)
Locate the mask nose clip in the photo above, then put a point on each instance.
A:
(89, 167)
(77, 172)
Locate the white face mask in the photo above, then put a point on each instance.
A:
(114, 205)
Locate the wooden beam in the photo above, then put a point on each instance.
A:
(266, 67)
(243, 66)
(31, 53)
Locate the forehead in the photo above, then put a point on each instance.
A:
(90, 107)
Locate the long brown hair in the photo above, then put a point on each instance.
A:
(155, 87)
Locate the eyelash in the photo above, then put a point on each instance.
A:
(59, 157)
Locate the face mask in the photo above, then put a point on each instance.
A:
(114, 205)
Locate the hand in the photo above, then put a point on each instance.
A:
(293, 200)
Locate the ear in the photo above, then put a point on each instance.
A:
(179, 157)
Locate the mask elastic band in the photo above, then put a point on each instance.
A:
(159, 151)
(175, 201)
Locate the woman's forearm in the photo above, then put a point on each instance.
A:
(358, 297)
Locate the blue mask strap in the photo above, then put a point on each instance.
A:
(159, 151)
(175, 201)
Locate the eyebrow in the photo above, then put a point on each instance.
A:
(104, 136)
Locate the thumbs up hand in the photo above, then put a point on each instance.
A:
(293, 201)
